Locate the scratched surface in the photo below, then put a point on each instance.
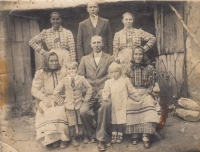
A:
(18, 131)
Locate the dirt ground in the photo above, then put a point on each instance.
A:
(178, 136)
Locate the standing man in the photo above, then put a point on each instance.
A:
(94, 25)
(94, 67)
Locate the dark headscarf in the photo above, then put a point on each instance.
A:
(143, 63)
(46, 67)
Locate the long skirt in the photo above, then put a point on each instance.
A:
(142, 116)
(52, 125)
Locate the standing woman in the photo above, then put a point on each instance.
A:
(142, 116)
(128, 38)
(55, 37)
(51, 122)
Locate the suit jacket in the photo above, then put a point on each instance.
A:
(85, 32)
(73, 96)
(95, 75)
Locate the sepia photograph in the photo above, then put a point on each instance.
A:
(99, 75)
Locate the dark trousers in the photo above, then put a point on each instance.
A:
(96, 118)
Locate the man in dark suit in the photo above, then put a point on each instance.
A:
(94, 67)
(94, 25)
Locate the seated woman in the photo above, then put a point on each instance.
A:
(51, 121)
(54, 38)
(128, 38)
(142, 116)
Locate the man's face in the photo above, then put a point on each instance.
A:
(53, 62)
(55, 20)
(96, 44)
(92, 8)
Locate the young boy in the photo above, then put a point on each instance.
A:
(74, 85)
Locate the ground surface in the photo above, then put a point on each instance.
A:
(20, 135)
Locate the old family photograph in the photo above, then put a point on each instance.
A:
(100, 76)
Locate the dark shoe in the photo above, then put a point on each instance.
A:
(101, 146)
(113, 139)
(135, 141)
(119, 139)
(75, 143)
(146, 144)
(85, 140)
(64, 144)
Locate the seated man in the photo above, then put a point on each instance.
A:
(94, 68)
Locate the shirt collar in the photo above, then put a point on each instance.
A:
(129, 31)
(98, 54)
(96, 17)
(71, 77)
(60, 29)
(50, 73)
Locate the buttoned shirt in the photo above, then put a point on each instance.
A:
(97, 57)
(62, 38)
(132, 38)
(94, 20)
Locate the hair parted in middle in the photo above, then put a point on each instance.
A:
(128, 13)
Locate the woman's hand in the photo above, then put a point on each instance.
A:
(47, 101)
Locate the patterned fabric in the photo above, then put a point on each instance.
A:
(141, 76)
(143, 111)
(62, 38)
(132, 38)
(118, 90)
(148, 128)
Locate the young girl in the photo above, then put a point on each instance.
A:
(119, 90)
(74, 85)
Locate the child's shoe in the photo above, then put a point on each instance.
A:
(119, 138)
(114, 138)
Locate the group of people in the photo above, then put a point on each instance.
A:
(100, 98)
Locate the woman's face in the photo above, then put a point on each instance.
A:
(138, 55)
(115, 73)
(128, 21)
(53, 62)
(55, 20)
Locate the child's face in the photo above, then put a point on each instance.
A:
(72, 70)
(115, 73)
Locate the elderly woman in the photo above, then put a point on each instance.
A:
(128, 38)
(142, 116)
(51, 121)
(55, 37)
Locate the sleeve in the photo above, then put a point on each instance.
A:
(116, 44)
(36, 42)
(149, 38)
(88, 89)
(59, 87)
(37, 84)
(81, 68)
(80, 52)
(106, 91)
(109, 38)
(71, 46)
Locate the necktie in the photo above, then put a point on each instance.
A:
(73, 82)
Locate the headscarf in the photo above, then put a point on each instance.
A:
(46, 67)
(143, 63)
